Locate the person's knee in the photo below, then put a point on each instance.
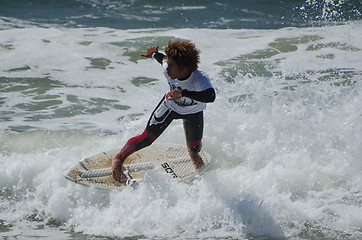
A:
(145, 140)
(144, 143)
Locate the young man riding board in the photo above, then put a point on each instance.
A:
(190, 90)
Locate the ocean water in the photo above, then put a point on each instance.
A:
(285, 132)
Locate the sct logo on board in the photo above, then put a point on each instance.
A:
(169, 170)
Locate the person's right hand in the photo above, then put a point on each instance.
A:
(150, 50)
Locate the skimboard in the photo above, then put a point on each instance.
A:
(171, 159)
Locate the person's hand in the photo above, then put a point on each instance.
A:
(174, 95)
(150, 50)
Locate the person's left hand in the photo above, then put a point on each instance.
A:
(149, 51)
(174, 95)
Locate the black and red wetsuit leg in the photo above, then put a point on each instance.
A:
(194, 127)
(160, 119)
(135, 144)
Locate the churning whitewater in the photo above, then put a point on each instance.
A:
(284, 133)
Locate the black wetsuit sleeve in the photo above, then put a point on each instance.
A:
(159, 57)
(205, 96)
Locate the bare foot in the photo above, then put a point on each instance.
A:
(117, 170)
(197, 161)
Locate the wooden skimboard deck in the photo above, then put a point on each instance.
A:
(172, 159)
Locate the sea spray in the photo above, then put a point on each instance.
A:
(284, 134)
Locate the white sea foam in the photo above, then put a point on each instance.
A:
(284, 134)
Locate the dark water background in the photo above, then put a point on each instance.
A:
(135, 14)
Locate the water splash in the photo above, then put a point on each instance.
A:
(330, 11)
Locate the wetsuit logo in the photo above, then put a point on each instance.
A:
(160, 114)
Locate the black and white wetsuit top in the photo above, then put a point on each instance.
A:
(196, 90)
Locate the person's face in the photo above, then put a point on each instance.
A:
(175, 71)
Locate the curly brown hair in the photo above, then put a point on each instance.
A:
(184, 53)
